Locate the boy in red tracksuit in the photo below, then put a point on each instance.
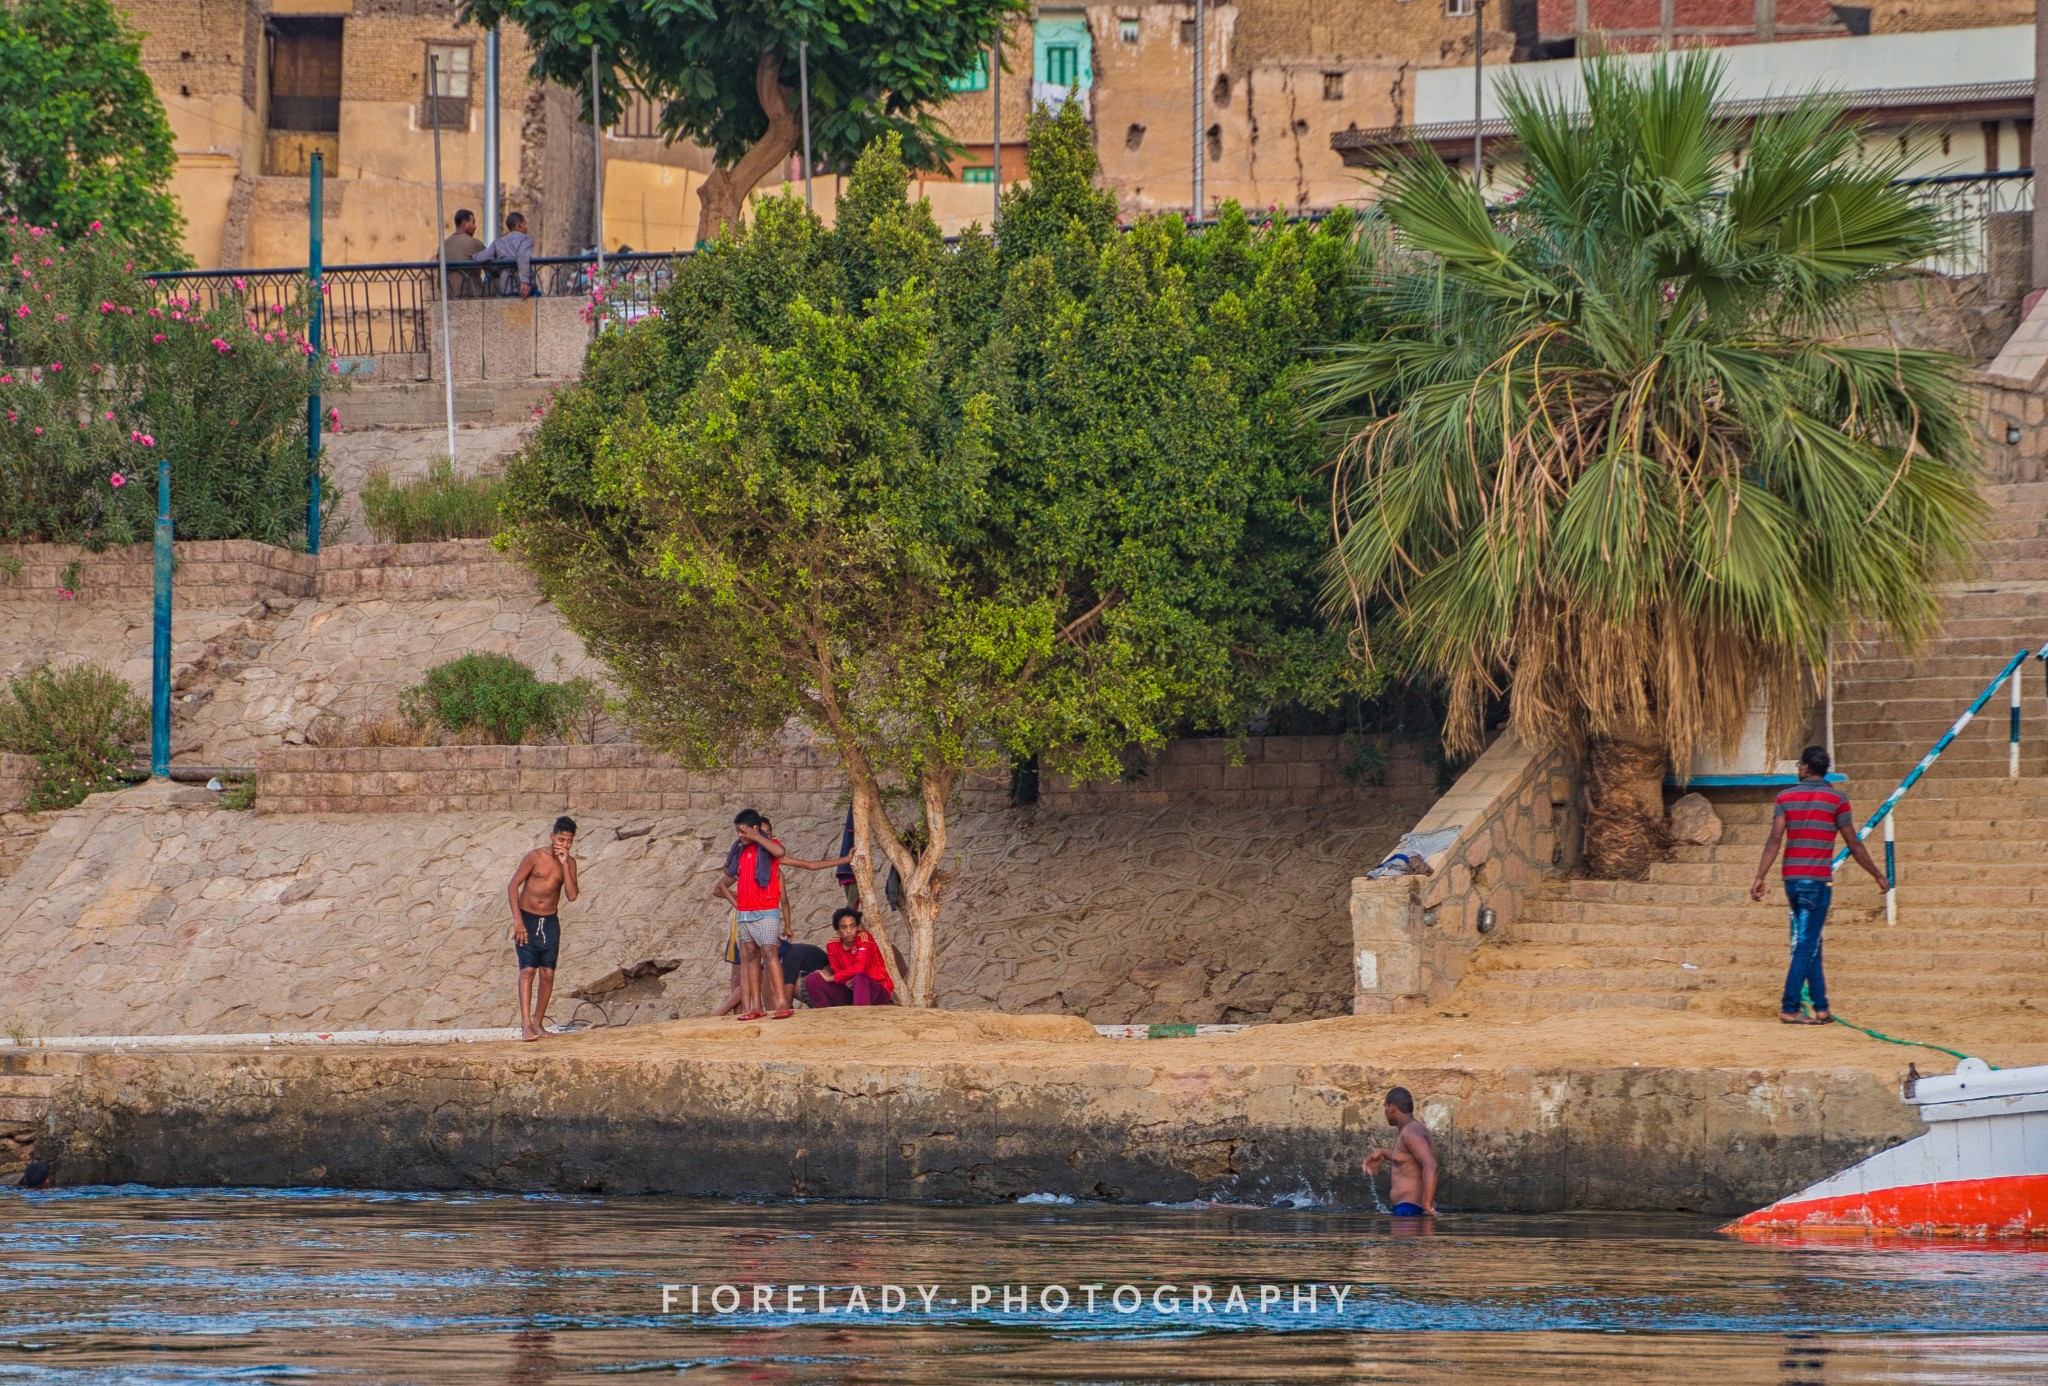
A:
(857, 975)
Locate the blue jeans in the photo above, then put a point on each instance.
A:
(1809, 900)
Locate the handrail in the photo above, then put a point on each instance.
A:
(1883, 815)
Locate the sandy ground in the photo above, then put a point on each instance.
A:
(1588, 1040)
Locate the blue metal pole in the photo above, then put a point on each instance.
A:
(313, 395)
(1927, 761)
(160, 644)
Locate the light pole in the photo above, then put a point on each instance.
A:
(491, 208)
(1201, 75)
(316, 319)
(441, 254)
(1478, 92)
(995, 92)
(596, 161)
(803, 77)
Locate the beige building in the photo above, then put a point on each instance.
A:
(254, 88)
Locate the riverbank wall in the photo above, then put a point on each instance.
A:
(976, 1107)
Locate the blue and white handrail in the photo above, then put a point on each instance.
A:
(2009, 675)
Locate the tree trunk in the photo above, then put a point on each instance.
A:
(867, 811)
(1625, 804)
(919, 871)
(722, 200)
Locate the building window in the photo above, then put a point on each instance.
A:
(978, 175)
(1062, 64)
(1458, 9)
(305, 75)
(1333, 86)
(447, 103)
(974, 79)
(640, 120)
(1127, 30)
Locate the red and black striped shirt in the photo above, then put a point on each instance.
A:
(1814, 810)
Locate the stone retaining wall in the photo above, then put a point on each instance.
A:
(1261, 770)
(16, 773)
(226, 572)
(1276, 771)
(235, 572)
(951, 1114)
(1412, 936)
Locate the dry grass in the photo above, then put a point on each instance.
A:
(330, 731)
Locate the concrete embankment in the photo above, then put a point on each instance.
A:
(975, 1106)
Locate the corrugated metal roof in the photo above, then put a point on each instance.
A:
(1882, 99)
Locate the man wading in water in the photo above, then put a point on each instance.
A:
(1413, 1187)
(545, 876)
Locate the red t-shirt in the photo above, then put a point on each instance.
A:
(864, 958)
(1815, 811)
(752, 894)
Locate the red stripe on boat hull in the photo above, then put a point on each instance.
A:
(2016, 1205)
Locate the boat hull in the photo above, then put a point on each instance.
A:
(2015, 1205)
(1980, 1171)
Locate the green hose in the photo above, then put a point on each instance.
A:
(1918, 1044)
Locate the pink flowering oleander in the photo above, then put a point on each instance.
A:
(117, 480)
(106, 307)
(56, 365)
(277, 307)
(22, 311)
(159, 337)
(241, 283)
(221, 346)
(94, 227)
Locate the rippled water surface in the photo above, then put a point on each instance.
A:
(150, 1287)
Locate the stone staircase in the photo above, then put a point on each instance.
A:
(29, 1078)
(1972, 931)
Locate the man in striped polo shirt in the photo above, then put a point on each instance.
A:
(1805, 821)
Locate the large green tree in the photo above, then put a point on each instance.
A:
(83, 138)
(726, 74)
(945, 507)
(1612, 452)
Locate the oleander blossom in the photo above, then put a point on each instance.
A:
(117, 480)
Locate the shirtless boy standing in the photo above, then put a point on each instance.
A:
(545, 876)
(1413, 1187)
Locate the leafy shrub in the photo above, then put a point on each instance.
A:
(101, 376)
(439, 505)
(496, 700)
(80, 723)
(239, 796)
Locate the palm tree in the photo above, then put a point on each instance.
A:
(1615, 454)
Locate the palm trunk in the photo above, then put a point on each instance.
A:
(722, 200)
(1625, 803)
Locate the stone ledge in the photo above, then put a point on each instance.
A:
(1512, 820)
(234, 572)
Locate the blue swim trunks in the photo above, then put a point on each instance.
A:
(1409, 1210)
(543, 941)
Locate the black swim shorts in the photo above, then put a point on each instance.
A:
(543, 940)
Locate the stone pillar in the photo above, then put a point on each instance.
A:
(2008, 256)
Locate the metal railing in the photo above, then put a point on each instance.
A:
(1968, 202)
(383, 310)
(2008, 676)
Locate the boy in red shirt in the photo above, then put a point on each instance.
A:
(858, 976)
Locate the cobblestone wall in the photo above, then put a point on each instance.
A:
(130, 916)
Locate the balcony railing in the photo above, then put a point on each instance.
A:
(379, 310)
(386, 310)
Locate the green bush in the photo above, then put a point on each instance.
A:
(495, 700)
(80, 723)
(439, 505)
(103, 374)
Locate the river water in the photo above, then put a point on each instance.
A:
(143, 1286)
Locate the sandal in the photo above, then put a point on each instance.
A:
(751, 1015)
(1784, 1019)
(782, 1015)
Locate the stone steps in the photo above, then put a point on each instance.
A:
(1917, 933)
